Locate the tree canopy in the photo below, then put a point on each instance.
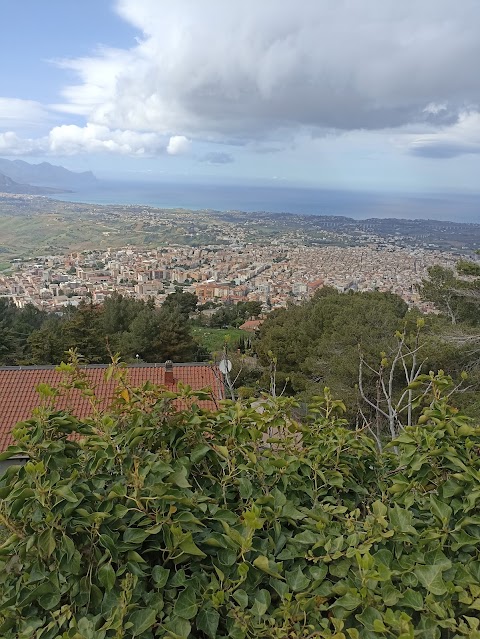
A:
(456, 296)
(120, 324)
(316, 344)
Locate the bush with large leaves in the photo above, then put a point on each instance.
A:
(145, 521)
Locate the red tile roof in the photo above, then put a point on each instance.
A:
(251, 325)
(18, 395)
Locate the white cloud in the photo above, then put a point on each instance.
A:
(12, 144)
(25, 113)
(217, 157)
(178, 145)
(92, 138)
(460, 138)
(264, 74)
(434, 109)
(246, 70)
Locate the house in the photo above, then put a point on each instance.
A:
(251, 325)
(18, 395)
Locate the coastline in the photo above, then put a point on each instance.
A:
(275, 200)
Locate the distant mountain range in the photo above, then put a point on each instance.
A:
(44, 175)
(7, 185)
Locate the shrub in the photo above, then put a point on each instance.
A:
(146, 521)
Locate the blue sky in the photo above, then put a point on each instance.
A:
(379, 95)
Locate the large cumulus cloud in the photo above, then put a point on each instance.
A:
(71, 139)
(246, 72)
(238, 68)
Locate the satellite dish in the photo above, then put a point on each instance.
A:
(225, 366)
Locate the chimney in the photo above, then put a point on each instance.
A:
(169, 373)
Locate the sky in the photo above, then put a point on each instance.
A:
(378, 95)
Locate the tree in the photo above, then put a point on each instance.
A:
(157, 335)
(118, 314)
(7, 311)
(47, 344)
(82, 330)
(235, 314)
(457, 298)
(16, 324)
(316, 343)
(183, 302)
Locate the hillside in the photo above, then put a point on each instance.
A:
(7, 185)
(44, 174)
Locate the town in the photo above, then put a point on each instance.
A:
(58, 253)
(273, 275)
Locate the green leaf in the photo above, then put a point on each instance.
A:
(12, 450)
(297, 580)
(401, 520)
(462, 538)
(451, 488)
(223, 451)
(49, 600)
(106, 576)
(207, 621)
(179, 628)
(440, 509)
(186, 604)
(262, 563)
(368, 618)
(412, 599)
(198, 453)
(142, 620)
(46, 543)
(431, 578)
(65, 492)
(135, 535)
(290, 512)
(179, 478)
(190, 548)
(241, 598)
(245, 488)
(307, 537)
(379, 626)
(261, 603)
(160, 576)
(279, 586)
(349, 601)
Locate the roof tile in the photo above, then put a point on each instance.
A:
(18, 395)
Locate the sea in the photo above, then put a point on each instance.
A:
(456, 207)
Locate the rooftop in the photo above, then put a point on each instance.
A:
(18, 395)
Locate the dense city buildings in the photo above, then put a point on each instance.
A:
(272, 275)
(58, 253)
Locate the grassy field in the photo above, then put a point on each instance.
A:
(213, 339)
(4, 266)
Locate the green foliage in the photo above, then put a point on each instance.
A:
(133, 327)
(457, 298)
(471, 269)
(15, 326)
(183, 302)
(235, 314)
(214, 339)
(316, 343)
(157, 335)
(245, 522)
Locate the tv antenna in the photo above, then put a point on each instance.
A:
(225, 366)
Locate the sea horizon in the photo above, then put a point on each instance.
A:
(453, 207)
